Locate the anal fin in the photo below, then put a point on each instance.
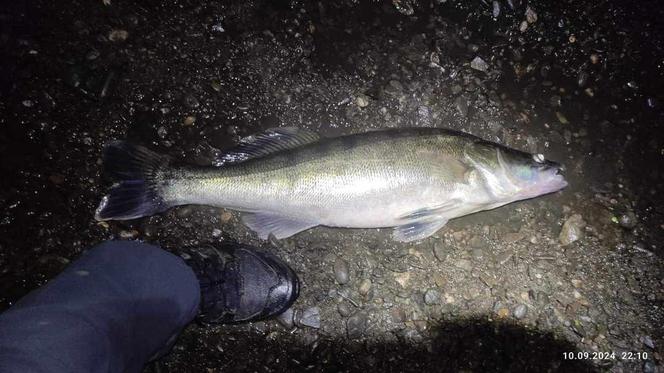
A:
(281, 227)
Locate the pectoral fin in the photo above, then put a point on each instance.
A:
(417, 230)
(281, 227)
(424, 222)
(433, 212)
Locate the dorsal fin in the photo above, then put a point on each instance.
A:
(271, 141)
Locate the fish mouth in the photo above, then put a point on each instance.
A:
(552, 179)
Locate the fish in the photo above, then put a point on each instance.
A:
(287, 180)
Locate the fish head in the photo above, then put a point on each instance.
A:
(511, 174)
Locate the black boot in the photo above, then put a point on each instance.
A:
(239, 283)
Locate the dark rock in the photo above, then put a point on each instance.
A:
(341, 271)
(356, 325)
(431, 297)
(309, 317)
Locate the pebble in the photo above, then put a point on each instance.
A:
(128, 234)
(520, 311)
(216, 232)
(286, 319)
(651, 102)
(398, 315)
(412, 336)
(477, 242)
(439, 280)
(531, 15)
(189, 120)
(92, 55)
(343, 309)
(503, 258)
(118, 35)
(572, 230)
(162, 132)
(627, 220)
(488, 279)
(365, 287)
(310, 317)
(496, 9)
(555, 101)
(646, 340)
(523, 26)
(440, 251)
(54, 259)
(216, 85)
(356, 325)
(424, 115)
(402, 278)
(191, 101)
(464, 264)
(431, 297)
(218, 27)
(461, 105)
(503, 312)
(396, 85)
(226, 217)
(479, 64)
(582, 78)
(513, 237)
(649, 367)
(434, 58)
(362, 101)
(561, 118)
(404, 7)
(341, 271)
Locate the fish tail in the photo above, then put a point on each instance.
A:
(138, 192)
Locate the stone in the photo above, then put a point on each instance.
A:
(572, 230)
(431, 297)
(479, 64)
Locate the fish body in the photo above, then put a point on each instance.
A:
(288, 180)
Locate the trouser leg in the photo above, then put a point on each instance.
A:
(112, 310)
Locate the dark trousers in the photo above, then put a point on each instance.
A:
(112, 310)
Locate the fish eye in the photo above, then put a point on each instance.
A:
(539, 158)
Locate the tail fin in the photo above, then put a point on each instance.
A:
(137, 192)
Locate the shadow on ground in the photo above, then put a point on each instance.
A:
(461, 345)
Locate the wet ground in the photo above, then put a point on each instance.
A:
(518, 288)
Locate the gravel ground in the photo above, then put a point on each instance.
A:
(518, 288)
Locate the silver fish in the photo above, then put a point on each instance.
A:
(287, 180)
